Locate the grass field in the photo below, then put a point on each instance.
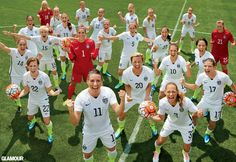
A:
(15, 140)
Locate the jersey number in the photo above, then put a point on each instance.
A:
(44, 48)
(212, 88)
(97, 112)
(138, 85)
(173, 71)
(132, 44)
(34, 88)
(220, 41)
(20, 63)
(45, 108)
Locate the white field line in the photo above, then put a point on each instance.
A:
(132, 138)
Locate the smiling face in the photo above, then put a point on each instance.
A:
(164, 33)
(56, 11)
(173, 50)
(106, 24)
(201, 46)
(81, 34)
(43, 32)
(30, 21)
(137, 62)
(22, 45)
(209, 67)
(171, 93)
(94, 82)
(33, 67)
(64, 18)
(132, 28)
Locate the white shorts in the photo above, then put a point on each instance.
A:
(215, 110)
(16, 80)
(185, 131)
(124, 63)
(151, 35)
(49, 65)
(85, 24)
(129, 105)
(156, 56)
(104, 54)
(185, 30)
(42, 105)
(181, 88)
(90, 140)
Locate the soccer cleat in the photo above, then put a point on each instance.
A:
(66, 101)
(194, 100)
(118, 132)
(154, 131)
(155, 157)
(118, 85)
(50, 139)
(58, 89)
(31, 125)
(107, 74)
(19, 109)
(186, 156)
(153, 89)
(63, 77)
(206, 113)
(206, 138)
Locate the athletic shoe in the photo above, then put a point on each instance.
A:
(107, 74)
(31, 125)
(118, 85)
(206, 113)
(186, 156)
(153, 89)
(66, 101)
(154, 131)
(118, 132)
(155, 157)
(58, 89)
(63, 77)
(194, 100)
(19, 109)
(206, 138)
(50, 139)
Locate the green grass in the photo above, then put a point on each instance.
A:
(15, 140)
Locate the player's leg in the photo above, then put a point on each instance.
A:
(101, 58)
(88, 145)
(192, 37)
(17, 81)
(181, 40)
(63, 64)
(32, 110)
(51, 65)
(105, 65)
(224, 62)
(156, 77)
(123, 64)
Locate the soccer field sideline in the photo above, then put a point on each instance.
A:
(135, 131)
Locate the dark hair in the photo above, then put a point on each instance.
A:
(174, 44)
(32, 59)
(202, 39)
(28, 17)
(180, 96)
(69, 25)
(94, 71)
(211, 60)
(168, 30)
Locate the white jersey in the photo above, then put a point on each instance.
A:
(54, 22)
(37, 86)
(200, 59)
(177, 115)
(95, 110)
(130, 43)
(82, 15)
(97, 26)
(173, 71)
(46, 48)
(28, 32)
(138, 83)
(213, 88)
(63, 32)
(189, 22)
(130, 19)
(162, 45)
(18, 62)
(150, 25)
(106, 43)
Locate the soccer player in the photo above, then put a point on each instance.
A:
(56, 18)
(64, 30)
(189, 23)
(159, 50)
(220, 37)
(97, 24)
(30, 30)
(81, 52)
(174, 67)
(201, 54)
(38, 85)
(105, 47)
(19, 56)
(177, 107)
(82, 15)
(44, 44)
(130, 17)
(137, 79)
(94, 103)
(149, 28)
(130, 40)
(45, 13)
(213, 83)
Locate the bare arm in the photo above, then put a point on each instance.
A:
(5, 48)
(74, 116)
(148, 40)
(148, 90)
(24, 91)
(188, 72)
(128, 91)
(233, 87)
(188, 85)
(52, 92)
(119, 108)
(157, 118)
(121, 16)
(16, 35)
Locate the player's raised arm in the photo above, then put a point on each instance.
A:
(74, 116)
(8, 33)
(5, 48)
(119, 108)
(188, 85)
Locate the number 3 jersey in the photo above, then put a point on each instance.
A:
(95, 110)
(138, 83)
(213, 88)
(37, 86)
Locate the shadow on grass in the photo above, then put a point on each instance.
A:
(191, 57)
(213, 150)
(74, 139)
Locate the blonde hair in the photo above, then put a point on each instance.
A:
(136, 54)
(44, 2)
(43, 28)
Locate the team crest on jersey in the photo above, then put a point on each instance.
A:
(40, 82)
(105, 100)
(178, 65)
(87, 45)
(145, 78)
(26, 57)
(181, 109)
(219, 82)
(84, 147)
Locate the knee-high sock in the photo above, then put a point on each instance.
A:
(71, 90)
(196, 93)
(55, 79)
(49, 128)
(104, 67)
(63, 67)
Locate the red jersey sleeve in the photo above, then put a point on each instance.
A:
(231, 38)
(71, 54)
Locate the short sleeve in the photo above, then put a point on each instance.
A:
(78, 106)
(47, 81)
(190, 105)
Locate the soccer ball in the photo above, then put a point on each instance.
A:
(66, 42)
(229, 99)
(147, 108)
(13, 91)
